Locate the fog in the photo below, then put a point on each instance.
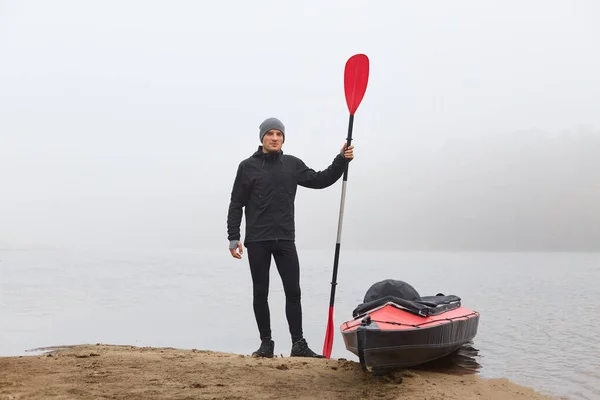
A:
(122, 122)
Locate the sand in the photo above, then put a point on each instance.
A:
(127, 372)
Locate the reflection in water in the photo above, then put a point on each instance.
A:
(42, 351)
(461, 362)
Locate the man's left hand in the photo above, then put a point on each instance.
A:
(348, 152)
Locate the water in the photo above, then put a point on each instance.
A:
(539, 312)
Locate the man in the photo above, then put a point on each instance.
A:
(265, 185)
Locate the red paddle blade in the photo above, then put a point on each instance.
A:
(356, 77)
(328, 345)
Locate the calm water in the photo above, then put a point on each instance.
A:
(540, 323)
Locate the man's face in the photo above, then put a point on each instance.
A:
(273, 140)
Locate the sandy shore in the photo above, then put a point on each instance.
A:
(127, 372)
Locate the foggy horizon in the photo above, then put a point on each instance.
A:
(122, 125)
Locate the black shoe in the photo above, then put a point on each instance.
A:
(265, 350)
(301, 349)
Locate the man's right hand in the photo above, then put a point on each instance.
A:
(237, 252)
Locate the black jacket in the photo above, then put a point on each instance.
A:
(265, 184)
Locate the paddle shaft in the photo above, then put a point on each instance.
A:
(356, 77)
(336, 257)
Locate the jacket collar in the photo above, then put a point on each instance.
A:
(259, 153)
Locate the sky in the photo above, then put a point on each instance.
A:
(122, 122)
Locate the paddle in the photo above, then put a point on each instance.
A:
(356, 77)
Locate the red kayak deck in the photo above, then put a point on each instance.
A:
(392, 317)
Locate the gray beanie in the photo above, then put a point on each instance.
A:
(268, 124)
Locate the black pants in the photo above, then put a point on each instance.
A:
(286, 259)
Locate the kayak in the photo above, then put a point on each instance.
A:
(395, 327)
